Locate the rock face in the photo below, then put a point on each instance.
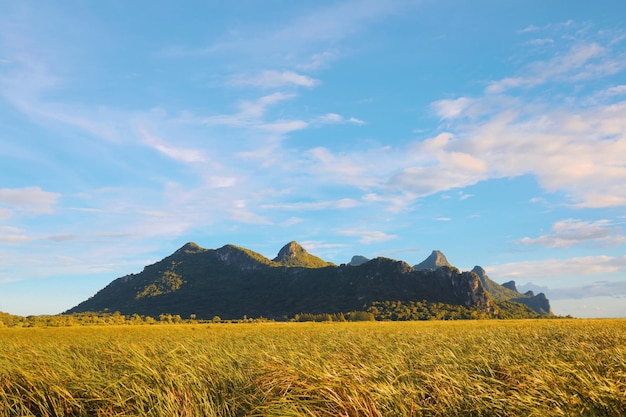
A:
(508, 292)
(292, 254)
(434, 261)
(358, 260)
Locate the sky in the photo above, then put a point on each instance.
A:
(494, 131)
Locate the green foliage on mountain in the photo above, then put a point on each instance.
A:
(292, 254)
(233, 282)
(169, 282)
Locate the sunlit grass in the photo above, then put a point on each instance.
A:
(468, 368)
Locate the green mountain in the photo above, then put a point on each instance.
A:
(232, 282)
(508, 292)
(292, 254)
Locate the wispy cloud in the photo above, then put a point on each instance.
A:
(344, 203)
(283, 126)
(274, 79)
(547, 269)
(579, 63)
(452, 108)
(368, 236)
(177, 153)
(30, 200)
(304, 35)
(595, 289)
(568, 232)
(10, 234)
(334, 118)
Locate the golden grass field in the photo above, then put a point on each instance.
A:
(459, 368)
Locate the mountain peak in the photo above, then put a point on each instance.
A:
(243, 258)
(480, 271)
(189, 248)
(435, 260)
(292, 254)
(358, 260)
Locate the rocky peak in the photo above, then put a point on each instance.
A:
(478, 270)
(511, 286)
(358, 260)
(436, 260)
(482, 274)
(292, 254)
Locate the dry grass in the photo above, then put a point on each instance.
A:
(469, 368)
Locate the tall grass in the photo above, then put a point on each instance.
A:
(469, 368)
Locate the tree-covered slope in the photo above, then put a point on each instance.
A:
(232, 282)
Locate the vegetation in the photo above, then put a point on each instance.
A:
(231, 282)
(443, 368)
(294, 255)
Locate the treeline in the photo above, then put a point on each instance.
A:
(96, 319)
(423, 310)
(379, 311)
(350, 316)
(426, 310)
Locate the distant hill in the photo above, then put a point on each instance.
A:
(232, 282)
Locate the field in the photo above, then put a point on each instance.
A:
(460, 368)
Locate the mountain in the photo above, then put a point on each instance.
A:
(232, 282)
(508, 292)
(292, 254)
(434, 261)
(358, 260)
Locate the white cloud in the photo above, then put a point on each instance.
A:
(357, 168)
(451, 109)
(344, 203)
(10, 234)
(582, 62)
(568, 232)
(595, 289)
(273, 79)
(334, 118)
(215, 181)
(317, 60)
(558, 268)
(395, 203)
(540, 41)
(283, 127)
(292, 221)
(617, 90)
(569, 147)
(368, 236)
(177, 153)
(452, 170)
(256, 109)
(32, 200)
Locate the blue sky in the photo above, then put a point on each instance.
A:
(493, 131)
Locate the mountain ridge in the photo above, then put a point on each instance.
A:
(232, 282)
